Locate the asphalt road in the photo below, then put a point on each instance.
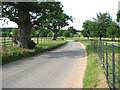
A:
(51, 69)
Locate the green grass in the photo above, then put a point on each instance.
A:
(13, 53)
(93, 69)
(94, 64)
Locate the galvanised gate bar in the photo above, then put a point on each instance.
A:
(110, 61)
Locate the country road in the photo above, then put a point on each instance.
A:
(51, 69)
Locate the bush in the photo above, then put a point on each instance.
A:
(66, 34)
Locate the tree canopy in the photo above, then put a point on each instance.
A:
(23, 13)
(46, 15)
(86, 30)
(72, 30)
(98, 27)
(54, 18)
(112, 30)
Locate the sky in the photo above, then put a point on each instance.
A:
(82, 10)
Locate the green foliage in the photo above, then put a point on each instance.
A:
(3, 34)
(118, 16)
(118, 33)
(103, 20)
(21, 12)
(72, 30)
(39, 32)
(71, 34)
(66, 33)
(102, 26)
(86, 30)
(15, 53)
(91, 78)
(79, 35)
(60, 33)
(112, 30)
(14, 32)
(49, 34)
(53, 19)
(6, 34)
(24, 14)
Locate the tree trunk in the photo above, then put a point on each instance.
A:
(24, 33)
(24, 36)
(100, 38)
(54, 35)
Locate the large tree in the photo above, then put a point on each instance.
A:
(53, 18)
(112, 30)
(86, 30)
(23, 13)
(103, 20)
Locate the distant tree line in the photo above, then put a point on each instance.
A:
(48, 33)
(103, 26)
(40, 32)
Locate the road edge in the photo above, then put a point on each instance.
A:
(76, 78)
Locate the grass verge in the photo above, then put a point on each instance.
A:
(14, 53)
(92, 78)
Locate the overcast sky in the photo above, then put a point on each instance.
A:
(82, 10)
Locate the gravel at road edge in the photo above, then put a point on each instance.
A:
(77, 76)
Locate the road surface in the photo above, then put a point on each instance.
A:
(51, 69)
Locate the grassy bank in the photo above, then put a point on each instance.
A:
(94, 74)
(13, 53)
(94, 71)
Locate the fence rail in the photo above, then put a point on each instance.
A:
(109, 61)
(8, 41)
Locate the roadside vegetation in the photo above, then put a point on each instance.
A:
(94, 75)
(94, 70)
(13, 53)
